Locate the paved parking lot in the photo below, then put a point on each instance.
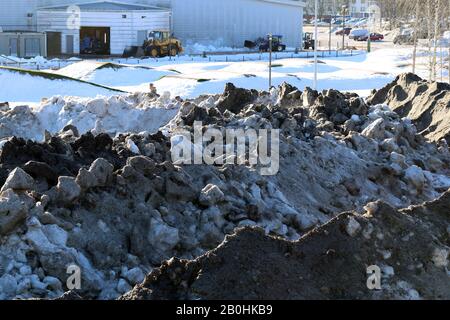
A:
(324, 40)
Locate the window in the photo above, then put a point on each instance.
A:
(32, 47)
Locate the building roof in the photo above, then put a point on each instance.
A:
(296, 3)
(105, 6)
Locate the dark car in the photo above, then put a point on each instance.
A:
(373, 37)
(345, 31)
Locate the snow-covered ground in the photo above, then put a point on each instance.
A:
(21, 88)
(189, 76)
(36, 63)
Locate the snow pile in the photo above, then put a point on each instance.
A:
(119, 206)
(128, 113)
(211, 46)
(126, 77)
(425, 103)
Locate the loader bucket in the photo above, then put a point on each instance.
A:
(130, 51)
(139, 53)
(249, 44)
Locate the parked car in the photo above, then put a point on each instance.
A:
(357, 33)
(373, 37)
(345, 31)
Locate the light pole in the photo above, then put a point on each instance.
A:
(344, 10)
(329, 35)
(315, 42)
(270, 60)
(371, 19)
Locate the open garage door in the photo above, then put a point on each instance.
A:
(95, 40)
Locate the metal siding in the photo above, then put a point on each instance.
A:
(123, 31)
(227, 22)
(21, 39)
(13, 13)
(231, 22)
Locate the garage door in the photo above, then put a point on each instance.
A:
(53, 44)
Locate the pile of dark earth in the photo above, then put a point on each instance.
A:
(427, 104)
(118, 212)
(409, 246)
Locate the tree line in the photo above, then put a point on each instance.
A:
(427, 18)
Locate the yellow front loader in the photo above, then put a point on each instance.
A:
(159, 44)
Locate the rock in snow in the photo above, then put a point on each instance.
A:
(18, 180)
(211, 195)
(415, 176)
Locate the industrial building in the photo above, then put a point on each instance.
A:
(113, 25)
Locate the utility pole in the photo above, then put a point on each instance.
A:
(442, 62)
(371, 17)
(344, 10)
(270, 61)
(429, 27)
(329, 35)
(315, 43)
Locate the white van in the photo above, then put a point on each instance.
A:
(357, 33)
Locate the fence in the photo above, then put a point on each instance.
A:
(56, 64)
(244, 56)
(33, 64)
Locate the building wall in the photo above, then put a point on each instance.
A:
(124, 32)
(13, 13)
(231, 22)
(22, 38)
(224, 22)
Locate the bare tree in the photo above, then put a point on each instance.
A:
(437, 26)
(429, 37)
(416, 33)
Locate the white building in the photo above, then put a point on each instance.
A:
(231, 22)
(114, 26)
(124, 23)
(359, 8)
